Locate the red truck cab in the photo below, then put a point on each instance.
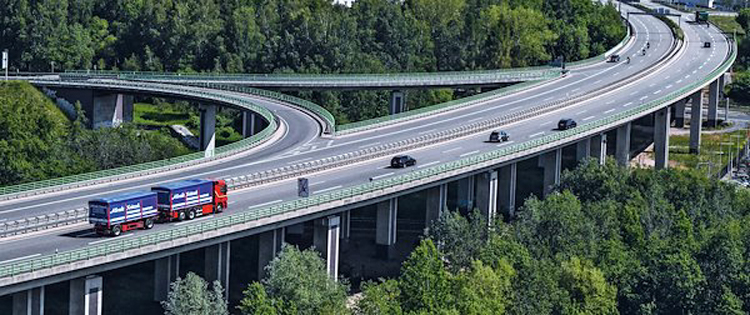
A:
(188, 199)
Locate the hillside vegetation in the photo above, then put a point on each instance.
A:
(37, 141)
(307, 36)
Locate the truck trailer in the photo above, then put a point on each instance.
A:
(118, 213)
(190, 198)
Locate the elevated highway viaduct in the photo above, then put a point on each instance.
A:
(461, 170)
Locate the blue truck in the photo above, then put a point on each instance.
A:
(115, 214)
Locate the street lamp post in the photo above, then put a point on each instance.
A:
(5, 63)
(729, 162)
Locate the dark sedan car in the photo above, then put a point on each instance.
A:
(499, 136)
(565, 124)
(401, 161)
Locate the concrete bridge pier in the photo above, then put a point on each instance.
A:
(29, 302)
(661, 138)
(622, 151)
(599, 148)
(208, 129)
(103, 109)
(437, 199)
(713, 103)
(466, 192)
(269, 244)
(398, 102)
(248, 123)
(552, 163)
(166, 271)
(507, 175)
(346, 229)
(217, 265)
(86, 296)
(583, 149)
(696, 121)
(487, 189)
(679, 113)
(326, 241)
(385, 228)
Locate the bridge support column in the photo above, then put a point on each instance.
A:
(208, 129)
(86, 296)
(599, 148)
(398, 102)
(437, 199)
(269, 244)
(487, 194)
(696, 121)
(166, 271)
(552, 163)
(583, 149)
(111, 110)
(217, 265)
(466, 192)
(679, 113)
(248, 123)
(713, 104)
(507, 176)
(661, 138)
(326, 241)
(622, 152)
(385, 228)
(29, 302)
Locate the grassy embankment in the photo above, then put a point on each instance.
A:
(710, 151)
(166, 114)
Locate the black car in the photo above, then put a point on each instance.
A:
(614, 58)
(566, 124)
(499, 136)
(400, 161)
(707, 45)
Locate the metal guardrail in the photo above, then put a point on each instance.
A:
(353, 157)
(74, 181)
(324, 114)
(299, 169)
(43, 222)
(604, 56)
(349, 194)
(432, 110)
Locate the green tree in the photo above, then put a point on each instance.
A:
(379, 298)
(297, 283)
(425, 284)
(191, 296)
(484, 290)
(589, 292)
(459, 239)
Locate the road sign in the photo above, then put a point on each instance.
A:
(303, 187)
(5, 59)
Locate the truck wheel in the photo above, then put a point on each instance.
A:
(148, 224)
(191, 214)
(116, 230)
(181, 216)
(219, 208)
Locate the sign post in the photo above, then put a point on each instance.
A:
(5, 63)
(303, 187)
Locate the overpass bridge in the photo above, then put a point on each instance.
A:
(611, 102)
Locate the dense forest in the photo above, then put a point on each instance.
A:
(37, 141)
(611, 241)
(307, 36)
(303, 36)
